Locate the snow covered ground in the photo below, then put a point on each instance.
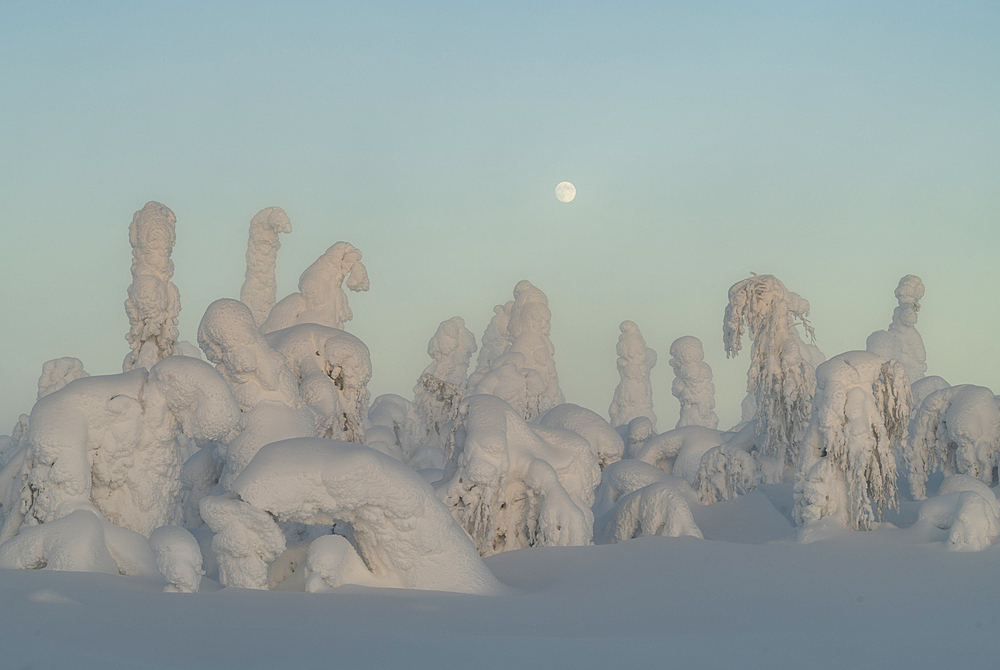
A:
(749, 596)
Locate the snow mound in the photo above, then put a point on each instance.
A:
(657, 509)
(624, 477)
(605, 442)
(725, 472)
(178, 558)
(968, 509)
(679, 451)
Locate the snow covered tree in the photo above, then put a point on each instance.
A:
(634, 394)
(846, 466)
(513, 485)
(495, 341)
(782, 376)
(516, 383)
(442, 385)
(529, 327)
(968, 509)
(902, 341)
(57, 373)
(321, 298)
(693, 385)
(260, 289)
(333, 369)
(956, 429)
(656, 509)
(153, 301)
(605, 442)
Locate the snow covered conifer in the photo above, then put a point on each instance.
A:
(902, 341)
(529, 327)
(693, 385)
(260, 288)
(782, 376)
(846, 466)
(153, 301)
(442, 385)
(321, 298)
(634, 394)
(495, 341)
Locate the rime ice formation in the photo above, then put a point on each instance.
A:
(59, 372)
(260, 289)
(639, 431)
(529, 326)
(442, 385)
(605, 442)
(178, 558)
(968, 509)
(395, 430)
(846, 465)
(679, 451)
(692, 384)
(115, 443)
(782, 376)
(956, 429)
(657, 509)
(495, 341)
(925, 386)
(333, 369)
(634, 394)
(624, 477)
(517, 384)
(153, 301)
(902, 341)
(725, 472)
(513, 485)
(321, 298)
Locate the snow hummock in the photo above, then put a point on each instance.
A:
(634, 394)
(153, 301)
(321, 298)
(260, 288)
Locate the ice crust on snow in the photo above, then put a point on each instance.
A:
(634, 394)
(956, 429)
(846, 465)
(153, 301)
(692, 384)
(321, 298)
(443, 383)
(259, 290)
(511, 484)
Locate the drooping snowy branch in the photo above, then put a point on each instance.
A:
(846, 466)
(782, 375)
(153, 301)
(956, 429)
(634, 394)
(693, 385)
(260, 289)
(442, 386)
(513, 485)
(321, 298)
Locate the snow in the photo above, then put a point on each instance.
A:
(634, 394)
(443, 384)
(693, 385)
(260, 289)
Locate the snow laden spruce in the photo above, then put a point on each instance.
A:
(634, 394)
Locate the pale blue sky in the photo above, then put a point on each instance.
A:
(838, 146)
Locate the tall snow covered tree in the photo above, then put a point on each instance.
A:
(529, 327)
(693, 385)
(846, 465)
(902, 341)
(260, 288)
(495, 341)
(634, 394)
(441, 387)
(782, 375)
(321, 298)
(153, 301)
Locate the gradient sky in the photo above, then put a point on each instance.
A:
(838, 146)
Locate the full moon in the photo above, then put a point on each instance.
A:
(565, 191)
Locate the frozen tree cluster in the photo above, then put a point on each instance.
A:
(269, 467)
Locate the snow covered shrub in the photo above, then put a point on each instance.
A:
(517, 384)
(178, 558)
(968, 509)
(442, 385)
(725, 472)
(321, 298)
(495, 341)
(925, 386)
(693, 385)
(639, 431)
(116, 442)
(846, 465)
(59, 372)
(623, 477)
(605, 442)
(153, 301)
(395, 430)
(333, 369)
(513, 485)
(656, 509)
(246, 539)
(782, 376)
(401, 531)
(902, 341)
(634, 394)
(956, 429)
(260, 289)
(679, 451)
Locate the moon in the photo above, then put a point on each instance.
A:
(565, 191)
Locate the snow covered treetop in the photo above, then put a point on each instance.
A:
(321, 298)
(756, 302)
(260, 289)
(153, 301)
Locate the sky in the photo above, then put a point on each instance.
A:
(838, 146)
